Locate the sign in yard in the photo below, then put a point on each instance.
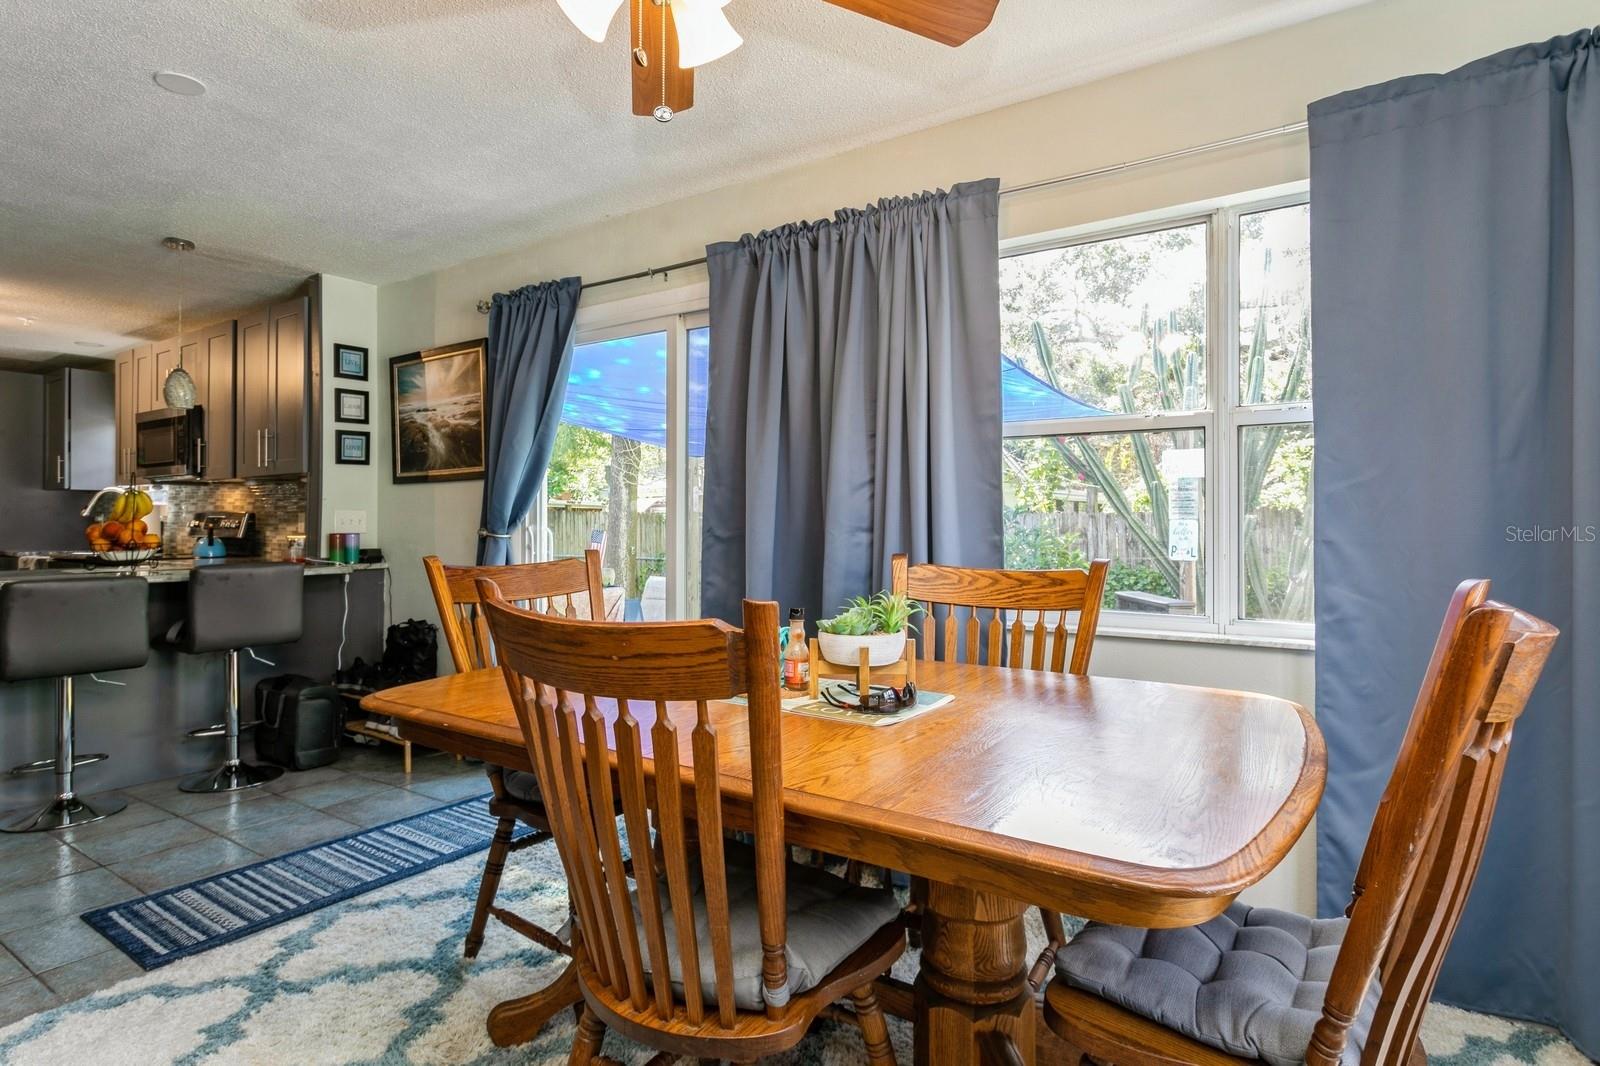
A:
(1184, 469)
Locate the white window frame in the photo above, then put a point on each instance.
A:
(1220, 422)
(674, 313)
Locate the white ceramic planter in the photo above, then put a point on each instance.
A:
(883, 649)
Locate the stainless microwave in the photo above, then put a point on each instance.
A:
(170, 444)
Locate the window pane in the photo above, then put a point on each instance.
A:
(1275, 305)
(1112, 326)
(608, 471)
(699, 362)
(1136, 499)
(1275, 536)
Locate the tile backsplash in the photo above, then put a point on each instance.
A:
(279, 506)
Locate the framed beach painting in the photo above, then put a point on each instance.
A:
(437, 399)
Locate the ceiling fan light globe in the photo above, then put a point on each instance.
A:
(592, 17)
(704, 32)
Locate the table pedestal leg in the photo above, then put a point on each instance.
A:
(974, 978)
(517, 1021)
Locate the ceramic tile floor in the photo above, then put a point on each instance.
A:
(48, 956)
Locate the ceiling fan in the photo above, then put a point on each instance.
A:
(670, 38)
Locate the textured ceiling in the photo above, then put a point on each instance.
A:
(382, 139)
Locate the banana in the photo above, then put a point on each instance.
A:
(122, 510)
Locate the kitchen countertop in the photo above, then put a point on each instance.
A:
(165, 571)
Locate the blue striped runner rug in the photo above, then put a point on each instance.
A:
(178, 922)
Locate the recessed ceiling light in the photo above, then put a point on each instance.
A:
(25, 320)
(182, 84)
(88, 344)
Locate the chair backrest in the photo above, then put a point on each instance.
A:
(566, 587)
(560, 672)
(944, 591)
(1430, 827)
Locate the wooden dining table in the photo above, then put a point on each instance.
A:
(1131, 802)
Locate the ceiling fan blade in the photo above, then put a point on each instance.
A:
(951, 22)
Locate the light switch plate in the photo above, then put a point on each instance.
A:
(349, 521)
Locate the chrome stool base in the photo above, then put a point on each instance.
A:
(64, 814)
(235, 777)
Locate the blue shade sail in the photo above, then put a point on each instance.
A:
(620, 387)
(1025, 397)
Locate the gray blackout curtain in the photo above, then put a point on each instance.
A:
(853, 406)
(525, 383)
(1455, 245)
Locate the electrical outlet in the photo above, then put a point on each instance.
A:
(349, 521)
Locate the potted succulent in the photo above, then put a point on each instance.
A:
(878, 623)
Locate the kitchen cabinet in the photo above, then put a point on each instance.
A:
(164, 357)
(126, 403)
(80, 429)
(208, 355)
(146, 386)
(273, 364)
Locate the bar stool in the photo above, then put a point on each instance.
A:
(234, 606)
(58, 628)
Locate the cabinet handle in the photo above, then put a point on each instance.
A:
(259, 463)
(200, 455)
(61, 469)
(271, 449)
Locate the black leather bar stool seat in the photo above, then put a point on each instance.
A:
(59, 628)
(234, 606)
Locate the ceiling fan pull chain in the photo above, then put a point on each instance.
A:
(663, 113)
(640, 56)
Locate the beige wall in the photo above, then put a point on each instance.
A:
(349, 316)
(1249, 85)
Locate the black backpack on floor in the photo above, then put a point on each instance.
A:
(299, 722)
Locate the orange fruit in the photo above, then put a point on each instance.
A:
(111, 530)
(138, 527)
(152, 540)
(100, 545)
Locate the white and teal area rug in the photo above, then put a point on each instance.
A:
(379, 979)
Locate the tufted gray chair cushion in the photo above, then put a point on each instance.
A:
(1249, 982)
(828, 919)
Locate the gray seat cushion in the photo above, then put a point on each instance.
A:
(520, 784)
(1249, 982)
(828, 919)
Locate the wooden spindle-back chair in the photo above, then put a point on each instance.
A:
(1049, 596)
(574, 685)
(1421, 858)
(567, 587)
(946, 592)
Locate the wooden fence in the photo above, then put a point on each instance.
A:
(1097, 535)
(1104, 535)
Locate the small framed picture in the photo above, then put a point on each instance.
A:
(352, 446)
(350, 361)
(350, 405)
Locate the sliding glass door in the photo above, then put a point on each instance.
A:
(627, 471)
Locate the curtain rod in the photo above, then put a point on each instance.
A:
(1032, 186)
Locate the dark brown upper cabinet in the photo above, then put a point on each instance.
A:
(208, 355)
(273, 365)
(80, 429)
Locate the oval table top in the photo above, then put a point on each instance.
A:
(1127, 801)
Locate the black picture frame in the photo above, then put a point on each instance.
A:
(339, 397)
(350, 362)
(436, 401)
(343, 438)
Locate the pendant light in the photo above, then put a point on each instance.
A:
(592, 17)
(178, 390)
(704, 33)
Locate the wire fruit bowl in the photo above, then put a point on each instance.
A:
(128, 556)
